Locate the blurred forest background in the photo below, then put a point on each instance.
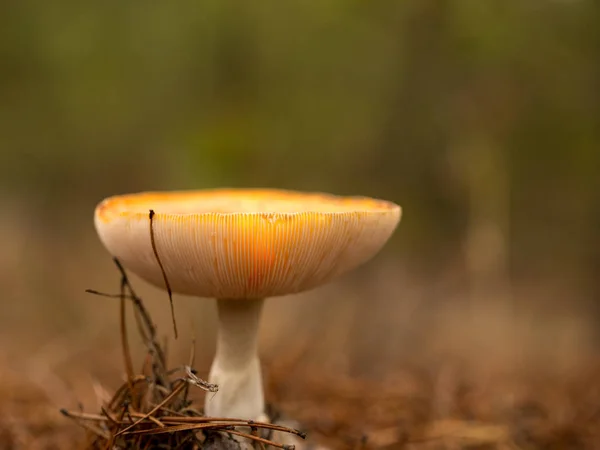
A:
(481, 118)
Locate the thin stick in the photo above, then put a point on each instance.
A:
(262, 440)
(124, 342)
(104, 294)
(152, 343)
(167, 399)
(233, 422)
(162, 269)
(184, 427)
(138, 303)
(83, 416)
(156, 421)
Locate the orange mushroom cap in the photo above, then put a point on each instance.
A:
(244, 243)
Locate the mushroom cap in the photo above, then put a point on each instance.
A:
(243, 243)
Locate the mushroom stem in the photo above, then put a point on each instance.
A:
(236, 367)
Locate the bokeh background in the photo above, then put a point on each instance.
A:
(481, 118)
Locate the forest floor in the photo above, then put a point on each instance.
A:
(421, 400)
(455, 407)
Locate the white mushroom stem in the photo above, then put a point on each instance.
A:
(236, 367)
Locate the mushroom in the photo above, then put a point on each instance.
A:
(241, 246)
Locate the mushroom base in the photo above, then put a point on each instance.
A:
(236, 367)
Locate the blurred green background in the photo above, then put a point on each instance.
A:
(481, 118)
